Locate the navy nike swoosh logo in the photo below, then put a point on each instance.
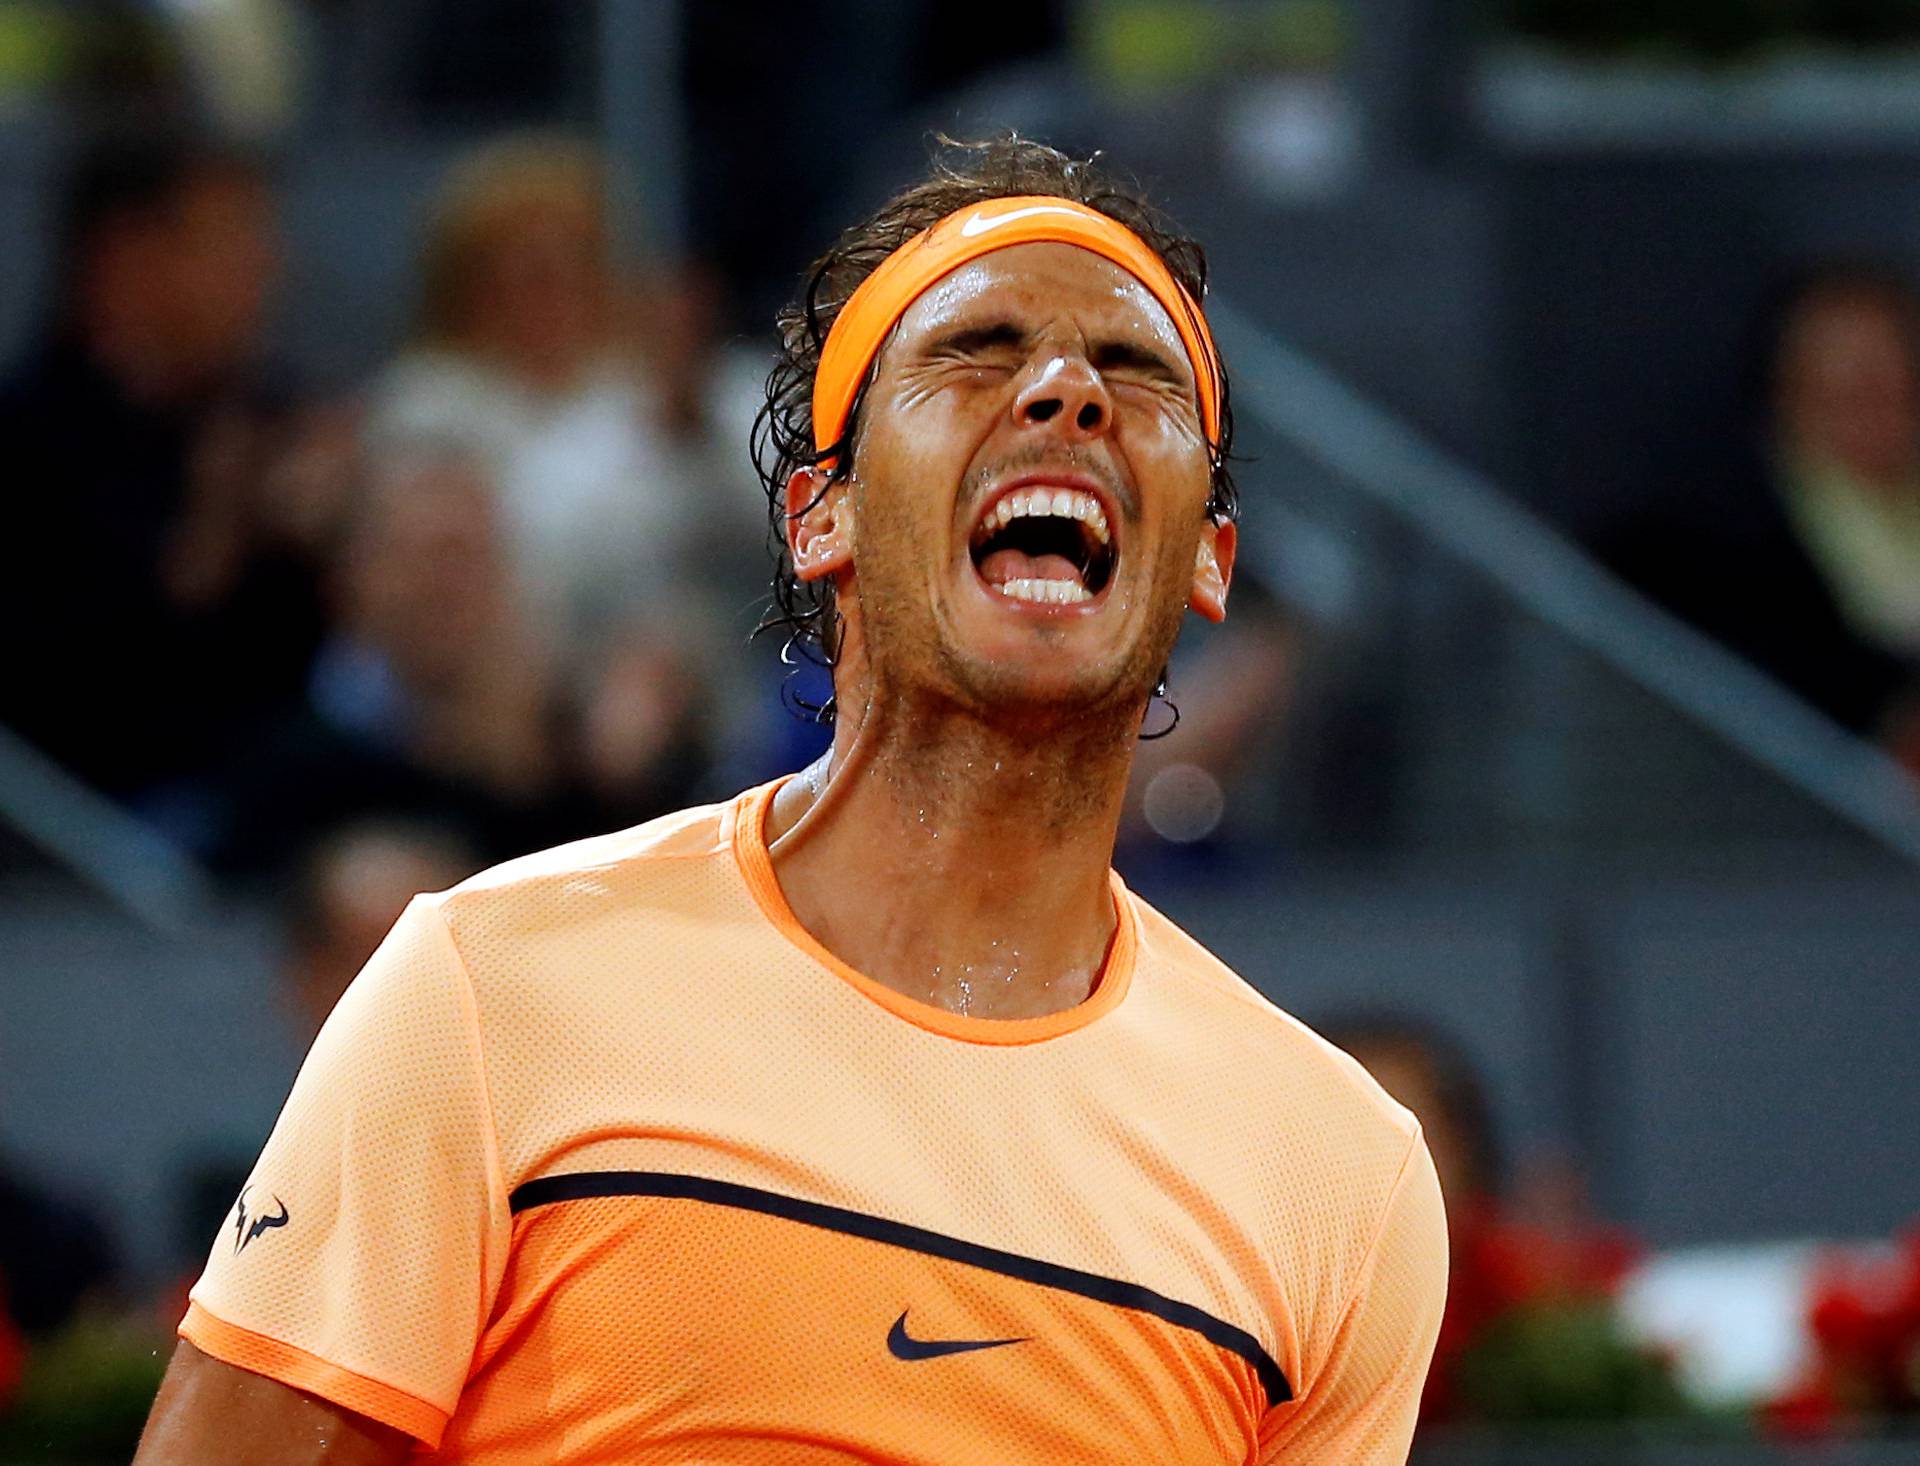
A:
(903, 1345)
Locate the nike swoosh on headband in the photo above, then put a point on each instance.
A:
(980, 223)
(879, 301)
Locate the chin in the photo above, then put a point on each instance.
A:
(1036, 686)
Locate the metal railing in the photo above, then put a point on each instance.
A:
(107, 848)
(1464, 513)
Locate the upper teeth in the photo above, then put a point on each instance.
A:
(1041, 502)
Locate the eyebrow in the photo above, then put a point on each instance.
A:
(1132, 355)
(987, 336)
(1124, 354)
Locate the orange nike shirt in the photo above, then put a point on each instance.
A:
(604, 1159)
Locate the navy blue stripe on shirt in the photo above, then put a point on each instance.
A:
(583, 1185)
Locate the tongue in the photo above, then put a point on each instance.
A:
(1005, 565)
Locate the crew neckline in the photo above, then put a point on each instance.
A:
(749, 842)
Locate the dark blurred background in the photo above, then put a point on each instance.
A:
(377, 383)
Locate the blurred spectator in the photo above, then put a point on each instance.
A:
(1801, 551)
(53, 1257)
(13, 1353)
(157, 611)
(436, 696)
(343, 894)
(60, 1292)
(1432, 1076)
(351, 887)
(580, 395)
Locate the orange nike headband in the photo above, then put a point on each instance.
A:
(906, 274)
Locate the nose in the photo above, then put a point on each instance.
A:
(1067, 393)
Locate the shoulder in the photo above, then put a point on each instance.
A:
(1274, 1058)
(693, 832)
(577, 876)
(568, 936)
(1305, 1143)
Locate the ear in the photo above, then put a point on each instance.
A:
(1213, 568)
(819, 524)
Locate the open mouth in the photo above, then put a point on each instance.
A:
(1046, 545)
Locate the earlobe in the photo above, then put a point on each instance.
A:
(819, 524)
(1213, 568)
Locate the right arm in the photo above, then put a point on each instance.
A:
(213, 1414)
(345, 1295)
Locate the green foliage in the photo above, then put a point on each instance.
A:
(1156, 45)
(85, 1394)
(1558, 1362)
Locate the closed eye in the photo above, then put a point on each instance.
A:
(994, 338)
(1133, 359)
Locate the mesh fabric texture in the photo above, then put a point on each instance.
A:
(603, 1159)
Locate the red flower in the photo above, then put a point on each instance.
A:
(1841, 1322)
(1500, 1266)
(1864, 1318)
(13, 1352)
(1806, 1412)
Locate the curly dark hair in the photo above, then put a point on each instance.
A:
(963, 173)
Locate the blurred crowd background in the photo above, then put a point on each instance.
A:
(377, 505)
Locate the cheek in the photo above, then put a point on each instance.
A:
(1173, 573)
(892, 536)
(1177, 495)
(936, 429)
(1174, 533)
(1163, 444)
(906, 481)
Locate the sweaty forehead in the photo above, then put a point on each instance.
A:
(1036, 285)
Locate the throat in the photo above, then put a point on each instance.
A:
(999, 988)
(975, 881)
(986, 953)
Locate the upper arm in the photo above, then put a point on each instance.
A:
(361, 1260)
(213, 1414)
(1360, 1408)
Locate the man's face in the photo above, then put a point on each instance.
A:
(425, 580)
(1028, 506)
(539, 294)
(221, 251)
(1848, 388)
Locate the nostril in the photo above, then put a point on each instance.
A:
(1044, 409)
(1088, 416)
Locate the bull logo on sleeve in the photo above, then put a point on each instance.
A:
(244, 1231)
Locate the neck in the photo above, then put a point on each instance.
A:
(961, 865)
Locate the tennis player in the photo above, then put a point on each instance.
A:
(866, 1116)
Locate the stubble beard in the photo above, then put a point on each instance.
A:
(918, 678)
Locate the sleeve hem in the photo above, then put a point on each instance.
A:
(293, 1366)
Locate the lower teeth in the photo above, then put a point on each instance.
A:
(1046, 592)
